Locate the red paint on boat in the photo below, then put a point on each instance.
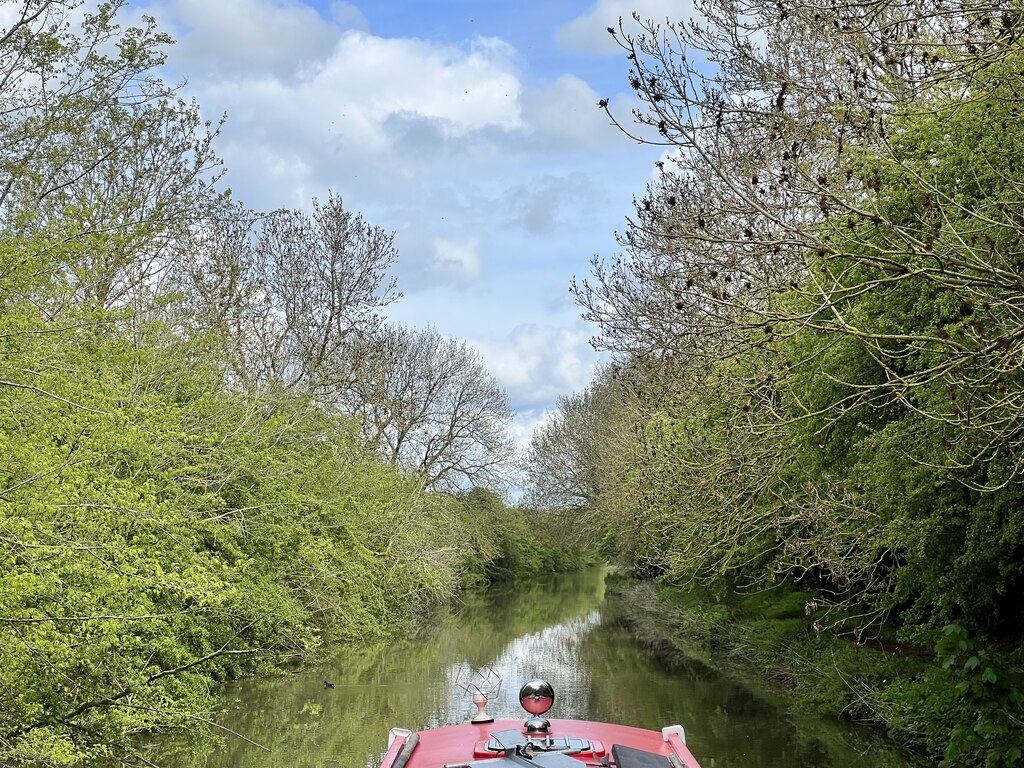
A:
(437, 747)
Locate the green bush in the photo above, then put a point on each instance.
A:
(512, 543)
(968, 710)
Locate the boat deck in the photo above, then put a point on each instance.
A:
(479, 745)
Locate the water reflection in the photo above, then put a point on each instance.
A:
(554, 630)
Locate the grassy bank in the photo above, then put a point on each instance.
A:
(957, 705)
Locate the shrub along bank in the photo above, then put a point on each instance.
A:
(162, 533)
(182, 500)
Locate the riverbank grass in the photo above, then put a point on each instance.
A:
(769, 640)
(961, 704)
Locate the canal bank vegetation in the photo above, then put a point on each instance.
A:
(216, 458)
(815, 400)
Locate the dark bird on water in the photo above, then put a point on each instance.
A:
(328, 684)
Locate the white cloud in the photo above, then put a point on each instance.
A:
(462, 88)
(536, 364)
(546, 204)
(526, 423)
(672, 162)
(364, 82)
(589, 33)
(348, 16)
(9, 14)
(353, 116)
(564, 115)
(458, 261)
(229, 38)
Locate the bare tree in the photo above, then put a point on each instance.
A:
(562, 461)
(427, 403)
(288, 291)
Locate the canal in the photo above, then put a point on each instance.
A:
(559, 630)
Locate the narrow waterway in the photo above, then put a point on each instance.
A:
(556, 630)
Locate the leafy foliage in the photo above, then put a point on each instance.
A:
(180, 503)
(817, 324)
(969, 710)
(510, 545)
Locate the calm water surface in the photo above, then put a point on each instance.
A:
(557, 630)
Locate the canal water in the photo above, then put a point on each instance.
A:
(559, 630)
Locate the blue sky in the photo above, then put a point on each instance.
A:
(469, 128)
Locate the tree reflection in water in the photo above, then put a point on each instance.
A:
(556, 630)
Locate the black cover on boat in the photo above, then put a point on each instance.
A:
(631, 757)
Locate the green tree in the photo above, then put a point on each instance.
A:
(166, 521)
(833, 253)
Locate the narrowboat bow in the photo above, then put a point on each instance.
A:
(537, 742)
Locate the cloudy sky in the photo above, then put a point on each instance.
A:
(469, 128)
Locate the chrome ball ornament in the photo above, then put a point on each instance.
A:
(536, 696)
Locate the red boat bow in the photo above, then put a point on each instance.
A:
(538, 743)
